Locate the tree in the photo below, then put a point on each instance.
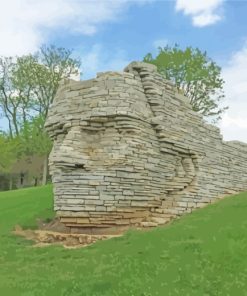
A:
(39, 74)
(38, 77)
(28, 85)
(9, 151)
(195, 75)
(9, 101)
(33, 139)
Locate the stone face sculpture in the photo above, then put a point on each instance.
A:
(129, 151)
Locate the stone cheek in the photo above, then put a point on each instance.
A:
(129, 151)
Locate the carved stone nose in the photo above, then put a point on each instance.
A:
(65, 157)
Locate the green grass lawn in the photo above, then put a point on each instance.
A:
(204, 253)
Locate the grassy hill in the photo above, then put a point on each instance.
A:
(204, 253)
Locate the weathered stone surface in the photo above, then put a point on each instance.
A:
(129, 150)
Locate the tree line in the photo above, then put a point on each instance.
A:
(28, 85)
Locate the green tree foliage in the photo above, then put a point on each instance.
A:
(195, 75)
(33, 139)
(9, 151)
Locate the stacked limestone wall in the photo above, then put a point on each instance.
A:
(129, 150)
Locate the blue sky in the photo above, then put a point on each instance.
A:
(107, 35)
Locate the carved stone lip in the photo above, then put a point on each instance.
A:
(70, 165)
(79, 166)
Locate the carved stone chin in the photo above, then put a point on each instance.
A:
(129, 151)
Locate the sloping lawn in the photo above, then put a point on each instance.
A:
(204, 253)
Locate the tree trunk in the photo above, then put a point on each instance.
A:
(45, 170)
(15, 125)
(10, 182)
(10, 129)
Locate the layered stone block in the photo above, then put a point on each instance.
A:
(130, 151)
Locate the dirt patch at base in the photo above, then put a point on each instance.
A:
(43, 237)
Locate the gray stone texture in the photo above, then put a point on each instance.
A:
(130, 151)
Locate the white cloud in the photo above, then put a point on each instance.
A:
(26, 24)
(229, 122)
(99, 60)
(205, 19)
(234, 122)
(203, 13)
